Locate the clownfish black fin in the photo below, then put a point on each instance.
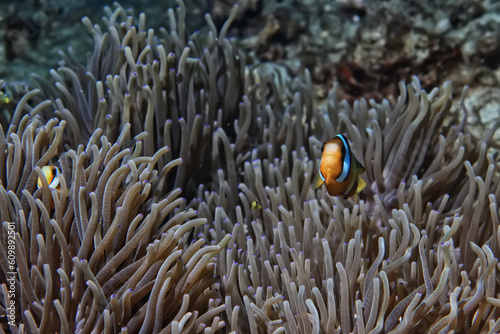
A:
(359, 166)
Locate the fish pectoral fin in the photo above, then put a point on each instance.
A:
(317, 182)
(361, 186)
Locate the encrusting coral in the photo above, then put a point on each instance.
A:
(116, 248)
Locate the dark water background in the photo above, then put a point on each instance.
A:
(32, 33)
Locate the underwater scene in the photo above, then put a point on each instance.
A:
(249, 166)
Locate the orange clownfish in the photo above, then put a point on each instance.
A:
(52, 175)
(339, 169)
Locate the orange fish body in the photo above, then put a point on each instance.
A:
(339, 169)
(52, 175)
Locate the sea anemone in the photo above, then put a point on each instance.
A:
(116, 248)
(106, 250)
(417, 253)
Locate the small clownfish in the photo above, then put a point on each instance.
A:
(4, 98)
(256, 205)
(52, 175)
(339, 169)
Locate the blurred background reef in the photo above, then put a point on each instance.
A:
(368, 46)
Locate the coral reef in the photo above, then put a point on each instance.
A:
(251, 246)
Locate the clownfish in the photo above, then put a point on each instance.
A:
(256, 206)
(339, 169)
(4, 98)
(52, 175)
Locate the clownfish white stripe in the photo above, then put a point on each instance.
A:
(346, 164)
